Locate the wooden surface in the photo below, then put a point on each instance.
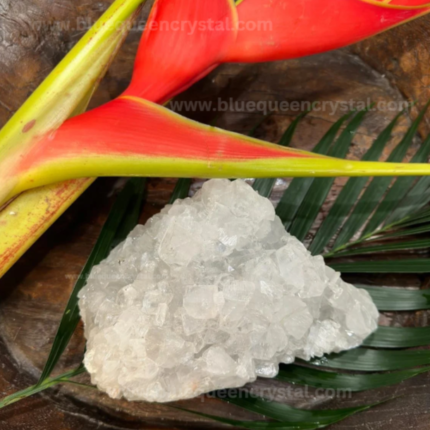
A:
(34, 294)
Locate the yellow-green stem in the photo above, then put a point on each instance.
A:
(93, 165)
(63, 90)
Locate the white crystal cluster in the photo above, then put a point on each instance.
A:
(209, 294)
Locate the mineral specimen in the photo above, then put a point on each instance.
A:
(209, 294)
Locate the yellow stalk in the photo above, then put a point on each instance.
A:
(96, 165)
(389, 5)
(221, 153)
(65, 92)
(26, 218)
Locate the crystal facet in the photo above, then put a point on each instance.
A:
(209, 294)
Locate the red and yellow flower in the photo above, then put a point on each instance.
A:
(133, 135)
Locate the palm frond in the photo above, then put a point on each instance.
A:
(375, 191)
(47, 383)
(181, 190)
(346, 382)
(387, 247)
(402, 231)
(416, 198)
(387, 218)
(349, 194)
(296, 192)
(319, 190)
(398, 299)
(399, 337)
(372, 360)
(122, 218)
(411, 265)
(293, 416)
(397, 192)
(264, 186)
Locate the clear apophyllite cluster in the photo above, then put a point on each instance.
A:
(209, 294)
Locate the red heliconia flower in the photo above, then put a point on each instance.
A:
(299, 28)
(179, 46)
(184, 40)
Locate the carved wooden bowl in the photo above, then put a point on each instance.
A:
(392, 67)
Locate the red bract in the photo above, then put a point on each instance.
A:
(185, 39)
(130, 125)
(279, 29)
(134, 137)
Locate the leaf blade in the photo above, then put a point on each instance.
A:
(296, 192)
(181, 190)
(412, 265)
(416, 198)
(392, 246)
(370, 360)
(402, 233)
(320, 188)
(397, 192)
(264, 186)
(398, 299)
(71, 317)
(376, 189)
(344, 381)
(34, 389)
(398, 337)
(349, 194)
(290, 415)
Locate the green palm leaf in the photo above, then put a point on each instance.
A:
(371, 360)
(122, 218)
(257, 425)
(181, 191)
(298, 209)
(412, 265)
(318, 191)
(419, 217)
(397, 192)
(349, 194)
(414, 200)
(296, 192)
(400, 233)
(293, 416)
(264, 186)
(398, 299)
(399, 337)
(344, 381)
(44, 385)
(387, 247)
(376, 190)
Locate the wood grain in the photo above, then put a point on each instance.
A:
(34, 293)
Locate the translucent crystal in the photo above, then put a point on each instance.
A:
(209, 294)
